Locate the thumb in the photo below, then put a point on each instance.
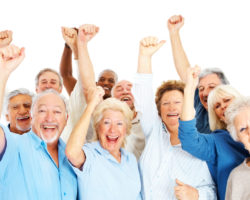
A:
(161, 43)
(178, 182)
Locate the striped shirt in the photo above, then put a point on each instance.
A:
(161, 163)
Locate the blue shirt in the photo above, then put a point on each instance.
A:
(28, 172)
(201, 115)
(218, 149)
(103, 178)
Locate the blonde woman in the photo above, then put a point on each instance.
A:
(104, 169)
(218, 149)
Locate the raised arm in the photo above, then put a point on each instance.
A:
(148, 46)
(180, 58)
(5, 38)
(77, 138)
(85, 34)
(10, 57)
(70, 38)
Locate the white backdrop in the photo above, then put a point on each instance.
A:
(216, 34)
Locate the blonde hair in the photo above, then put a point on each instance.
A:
(114, 105)
(214, 96)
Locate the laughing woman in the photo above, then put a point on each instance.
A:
(104, 169)
(218, 149)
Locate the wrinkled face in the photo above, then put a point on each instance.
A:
(206, 85)
(171, 107)
(221, 105)
(122, 91)
(49, 118)
(107, 82)
(112, 130)
(19, 113)
(48, 80)
(242, 126)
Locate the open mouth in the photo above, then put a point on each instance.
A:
(49, 127)
(24, 118)
(106, 88)
(173, 115)
(126, 99)
(112, 139)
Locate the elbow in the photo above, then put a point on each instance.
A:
(72, 155)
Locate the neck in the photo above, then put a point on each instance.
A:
(53, 151)
(116, 155)
(17, 131)
(173, 131)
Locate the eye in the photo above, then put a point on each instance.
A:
(57, 112)
(41, 111)
(165, 103)
(111, 81)
(227, 100)
(106, 122)
(217, 106)
(211, 87)
(27, 105)
(120, 123)
(242, 129)
(201, 89)
(102, 79)
(177, 102)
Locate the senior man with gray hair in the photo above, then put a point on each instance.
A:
(238, 119)
(34, 165)
(208, 79)
(17, 110)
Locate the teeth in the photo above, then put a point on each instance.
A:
(105, 88)
(112, 137)
(25, 117)
(173, 114)
(126, 99)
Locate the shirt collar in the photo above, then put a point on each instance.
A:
(105, 153)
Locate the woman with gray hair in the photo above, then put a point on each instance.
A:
(218, 149)
(104, 169)
(238, 119)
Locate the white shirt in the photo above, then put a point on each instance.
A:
(161, 163)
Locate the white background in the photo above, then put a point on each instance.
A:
(216, 34)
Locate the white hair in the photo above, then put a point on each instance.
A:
(232, 111)
(49, 91)
(10, 95)
(216, 71)
(214, 96)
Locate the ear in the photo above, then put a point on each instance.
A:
(7, 117)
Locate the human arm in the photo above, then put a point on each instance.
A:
(85, 34)
(74, 151)
(10, 57)
(199, 145)
(5, 38)
(180, 58)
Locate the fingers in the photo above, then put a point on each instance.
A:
(89, 29)
(152, 42)
(5, 38)
(176, 19)
(10, 52)
(179, 183)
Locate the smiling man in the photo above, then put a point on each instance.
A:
(17, 108)
(35, 162)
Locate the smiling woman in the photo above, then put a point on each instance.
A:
(105, 170)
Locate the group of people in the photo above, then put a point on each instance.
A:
(116, 139)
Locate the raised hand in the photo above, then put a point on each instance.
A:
(149, 45)
(192, 78)
(10, 57)
(95, 95)
(86, 32)
(70, 38)
(185, 192)
(5, 38)
(175, 23)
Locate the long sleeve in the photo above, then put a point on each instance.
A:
(199, 145)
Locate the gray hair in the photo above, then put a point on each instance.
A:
(49, 91)
(216, 71)
(219, 92)
(48, 70)
(232, 111)
(108, 70)
(10, 95)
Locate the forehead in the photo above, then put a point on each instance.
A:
(172, 95)
(107, 75)
(210, 78)
(113, 114)
(48, 75)
(242, 117)
(50, 100)
(123, 84)
(20, 98)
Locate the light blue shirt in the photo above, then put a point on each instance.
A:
(27, 171)
(161, 163)
(103, 178)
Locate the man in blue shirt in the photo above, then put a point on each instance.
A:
(33, 165)
(208, 79)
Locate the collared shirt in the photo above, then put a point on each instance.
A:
(27, 171)
(103, 178)
(161, 163)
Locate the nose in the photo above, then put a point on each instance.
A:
(23, 110)
(112, 128)
(206, 92)
(49, 116)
